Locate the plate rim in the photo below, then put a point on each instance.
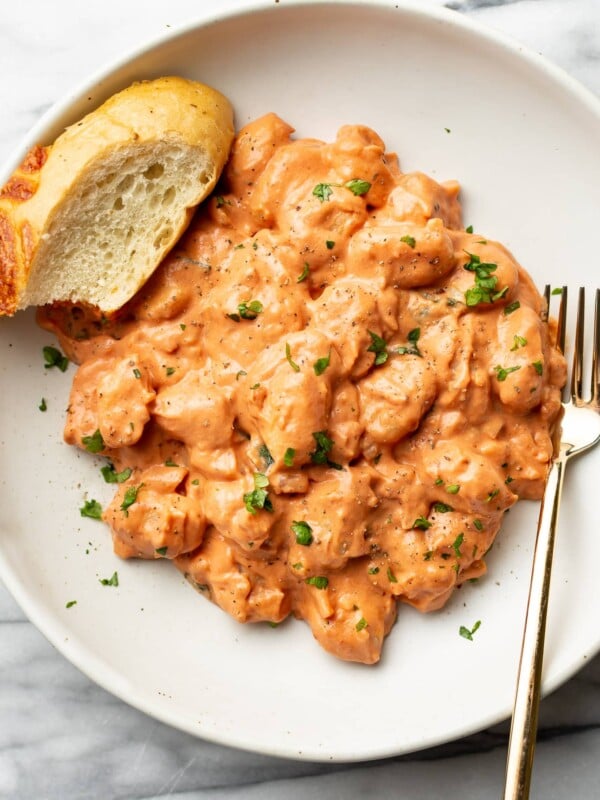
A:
(52, 628)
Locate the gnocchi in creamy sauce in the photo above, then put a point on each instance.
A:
(327, 396)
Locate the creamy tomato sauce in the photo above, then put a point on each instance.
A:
(328, 395)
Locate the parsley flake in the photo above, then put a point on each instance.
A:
(323, 191)
(391, 577)
(321, 364)
(265, 454)
(457, 543)
(54, 358)
(320, 581)
(162, 551)
(484, 290)
(110, 476)
(468, 634)
(91, 509)
(329, 244)
(42, 406)
(71, 603)
(503, 372)
(93, 443)
(519, 341)
(421, 524)
(288, 457)
(112, 581)
(304, 274)
(453, 488)
(361, 624)
(478, 524)
(303, 533)
(508, 309)
(538, 367)
(469, 229)
(288, 355)
(258, 499)
(129, 498)
(409, 240)
(379, 347)
(413, 337)
(358, 186)
(250, 310)
(442, 508)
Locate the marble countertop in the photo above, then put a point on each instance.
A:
(64, 738)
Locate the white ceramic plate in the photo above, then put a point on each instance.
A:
(523, 141)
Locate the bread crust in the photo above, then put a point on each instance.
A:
(166, 109)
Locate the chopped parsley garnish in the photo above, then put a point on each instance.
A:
(93, 443)
(491, 495)
(409, 240)
(71, 603)
(255, 386)
(469, 229)
(321, 364)
(297, 565)
(169, 371)
(137, 374)
(265, 454)
(453, 488)
(42, 406)
(509, 480)
(110, 476)
(478, 524)
(421, 523)
(182, 325)
(195, 482)
(170, 463)
(519, 341)
(239, 246)
(503, 372)
(288, 355)
(537, 365)
(361, 624)
(258, 498)
(329, 244)
(221, 201)
(162, 551)
(320, 581)
(303, 533)
(373, 570)
(112, 581)
(457, 543)
(358, 186)
(323, 191)
(91, 509)
(438, 482)
(427, 555)
(391, 577)
(468, 634)
(304, 274)
(379, 347)
(250, 310)
(442, 508)
(324, 445)
(558, 290)
(484, 290)
(54, 358)
(129, 498)
(413, 337)
(240, 374)
(288, 457)
(508, 309)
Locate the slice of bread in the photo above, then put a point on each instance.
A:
(88, 219)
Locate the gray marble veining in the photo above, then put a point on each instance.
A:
(64, 738)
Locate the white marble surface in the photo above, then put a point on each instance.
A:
(62, 737)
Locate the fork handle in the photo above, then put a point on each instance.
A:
(521, 744)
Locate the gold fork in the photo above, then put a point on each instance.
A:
(580, 431)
